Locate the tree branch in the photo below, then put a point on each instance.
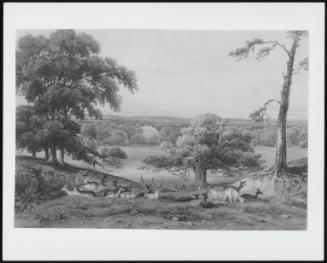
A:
(243, 52)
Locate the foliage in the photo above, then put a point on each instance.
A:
(166, 146)
(28, 129)
(90, 131)
(116, 138)
(202, 146)
(262, 49)
(117, 152)
(64, 77)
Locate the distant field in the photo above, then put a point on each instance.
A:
(136, 154)
(268, 153)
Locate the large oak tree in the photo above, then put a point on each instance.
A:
(65, 77)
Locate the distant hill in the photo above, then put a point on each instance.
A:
(147, 118)
(179, 120)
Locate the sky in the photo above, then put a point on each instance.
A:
(185, 73)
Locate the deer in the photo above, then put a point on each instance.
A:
(111, 193)
(153, 189)
(233, 192)
(179, 188)
(252, 197)
(128, 195)
(77, 191)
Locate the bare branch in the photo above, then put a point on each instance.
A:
(278, 44)
(260, 115)
(243, 52)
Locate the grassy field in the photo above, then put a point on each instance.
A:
(81, 212)
(166, 212)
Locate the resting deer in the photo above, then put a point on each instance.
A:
(179, 188)
(111, 193)
(252, 197)
(233, 192)
(77, 191)
(153, 189)
(128, 195)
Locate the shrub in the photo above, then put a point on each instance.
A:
(250, 159)
(118, 137)
(117, 152)
(166, 146)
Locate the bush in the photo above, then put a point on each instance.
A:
(117, 152)
(250, 159)
(138, 139)
(166, 146)
(118, 137)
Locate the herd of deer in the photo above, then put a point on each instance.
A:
(93, 189)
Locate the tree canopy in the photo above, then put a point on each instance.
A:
(64, 77)
(203, 146)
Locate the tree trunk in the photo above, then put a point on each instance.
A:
(62, 154)
(281, 148)
(46, 151)
(201, 177)
(34, 154)
(54, 154)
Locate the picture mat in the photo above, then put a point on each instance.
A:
(109, 244)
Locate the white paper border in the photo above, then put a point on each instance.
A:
(106, 244)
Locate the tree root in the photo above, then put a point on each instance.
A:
(281, 185)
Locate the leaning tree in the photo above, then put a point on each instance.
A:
(65, 77)
(266, 46)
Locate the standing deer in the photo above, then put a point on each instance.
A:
(233, 192)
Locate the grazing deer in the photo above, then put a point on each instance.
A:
(77, 191)
(233, 192)
(252, 197)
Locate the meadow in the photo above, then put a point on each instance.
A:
(164, 213)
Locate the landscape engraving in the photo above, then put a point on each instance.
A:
(161, 129)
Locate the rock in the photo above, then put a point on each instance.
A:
(119, 221)
(261, 220)
(129, 224)
(286, 216)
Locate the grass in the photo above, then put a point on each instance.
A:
(165, 213)
(76, 212)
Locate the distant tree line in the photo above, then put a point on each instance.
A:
(123, 133)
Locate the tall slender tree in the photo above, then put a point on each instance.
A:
(266, 46)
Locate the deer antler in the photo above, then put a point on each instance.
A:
(147, 186)
(161, 185)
